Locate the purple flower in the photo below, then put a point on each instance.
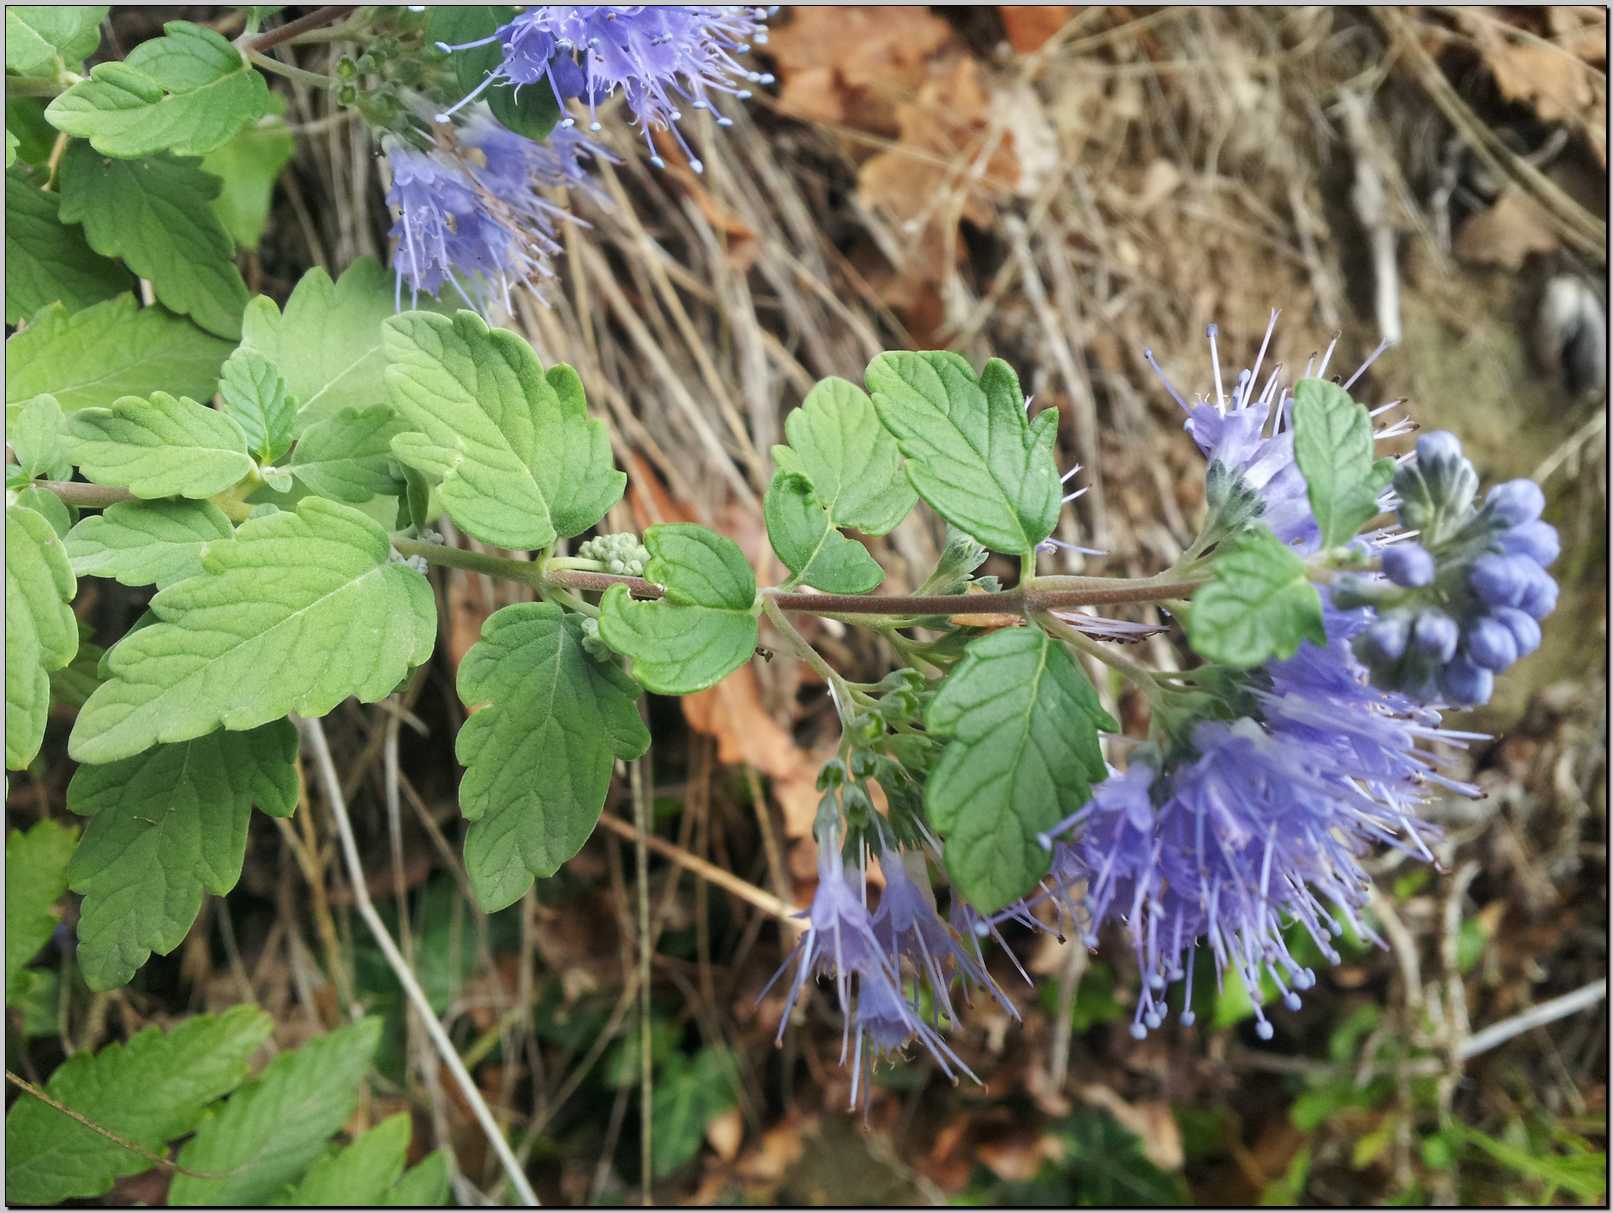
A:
(841, 943)
(660, 57)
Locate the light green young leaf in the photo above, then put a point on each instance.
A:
(273, 1128)
(41, 632)
(38, 440)
(164, 826)
(148, 1092)
(248, 166)
(1024, 754)
(518, 457)
(146, 542)
(705, 627)
(161, 447)
(42, 39)
(971, 452)
(1258, 604)
(187, 93)
(36, 878)
(108, 351)
(837, 442)
(360, 1173)
(150, 212)
(327, 343)
(48, 261)
(294, 614)
(688, 1095)
(49, 506)
(809, 546)
(1334, 449)
(349, 456)
(423, 1186)
(538, 756)
(254, 393)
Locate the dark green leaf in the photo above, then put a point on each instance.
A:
(538, 755)
(150, 212)
(48, 261)
(360, 1173)
(1024, 754)
(1257, 606)
(36, 878)
(531, 112)
(165, 826)
(148, 1091)
(971, 452)
(41, 631)
(688, 1094)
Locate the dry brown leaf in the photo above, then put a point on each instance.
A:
(1505, 235)
(724, 1132)
(1018, 1156)
(1029, 26)
(1554, 78)
(852, 65)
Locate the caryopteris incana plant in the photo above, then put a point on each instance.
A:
(278, 476)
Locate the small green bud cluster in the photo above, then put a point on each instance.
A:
(593, 644)
(620, 552)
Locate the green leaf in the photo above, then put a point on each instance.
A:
(150, 212)
(48, 261)
(161, 447)
(688, 1095)
(1258, 604)
(424, 1185)
(254, 393)
(12, 143)
(1024, 754)
(248, 167)
(538, 755)
(531, 112)
(108, 351)
(837, 442)
(41, 632)
(295, 613)
(705, 627)
(43, 39)
(971, 452)
(75, 682)
(146, 542)
(327, 343)
(273, 1129)
(519, 460)
(349, 456)
(36, 878)
(1334, 449)
(164, 826)
(360, 1173)
(148, 1091)
(809, 546)
(49, 506)
(33, 136)
(187, 93)
(38, 441)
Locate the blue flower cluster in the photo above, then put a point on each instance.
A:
(470, 213)
(1465, 600)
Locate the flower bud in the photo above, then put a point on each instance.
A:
(1525, 631)
(1488, 642)
(1535, 540)
(1539, 596)
(1384, 643)
(1516, 502)
(1435, 635)
(1466, 684)
(1501, 580)
(1408, 565)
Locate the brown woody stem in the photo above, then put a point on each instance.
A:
(326, 15)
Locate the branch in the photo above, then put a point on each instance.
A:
(1547, 1012)
(705, 869)
(313, 736)
(320, 16)
(96, 496)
